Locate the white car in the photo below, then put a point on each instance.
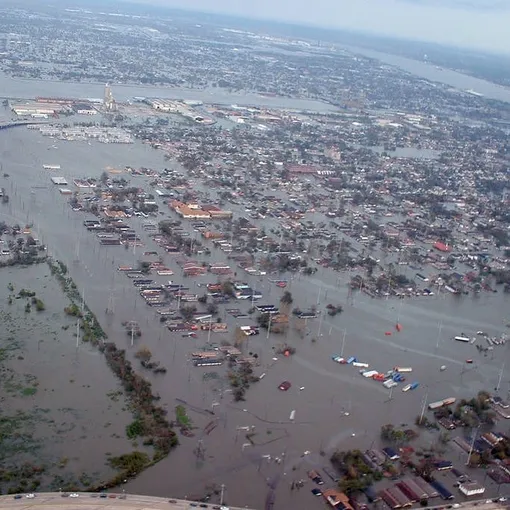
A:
(30, 496)
(74, 495)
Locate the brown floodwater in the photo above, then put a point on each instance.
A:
(330, 390)
(68, 398)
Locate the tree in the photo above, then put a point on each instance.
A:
(212, 308)
(286, 299)
(144, 353)
(227, 288)
(188, 311)
(350, 485)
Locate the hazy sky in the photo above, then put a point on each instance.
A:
(483, 24)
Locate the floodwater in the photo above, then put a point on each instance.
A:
(330, 390)
(69, 398)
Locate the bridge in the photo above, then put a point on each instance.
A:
(104, 501)
(16, 123)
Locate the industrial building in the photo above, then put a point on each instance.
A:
(36, 109)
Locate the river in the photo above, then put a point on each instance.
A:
(330, 391)
(19, 88)
(437, 74)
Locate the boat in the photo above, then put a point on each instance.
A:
(414, 385)
(442, 368)
(402, 369)
(469, 361)
(462, 339)
(407, 387)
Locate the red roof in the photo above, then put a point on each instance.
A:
(442, 247)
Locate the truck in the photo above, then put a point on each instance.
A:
(402, 370)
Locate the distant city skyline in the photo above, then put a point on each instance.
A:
(477, 24)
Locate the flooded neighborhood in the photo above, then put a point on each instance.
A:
(255, 297)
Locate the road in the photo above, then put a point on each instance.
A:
(90, 501)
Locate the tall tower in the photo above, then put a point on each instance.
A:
(109, 101)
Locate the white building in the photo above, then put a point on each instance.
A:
(471, 488)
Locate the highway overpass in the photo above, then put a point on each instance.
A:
(106, 501)
(17, 123)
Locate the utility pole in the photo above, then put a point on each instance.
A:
(320, 326)
(209, 332)
(78, 333)
(500, 376)
(222, 493)
(423, 407)
(343, 343)
(439, 334)
(472, 446)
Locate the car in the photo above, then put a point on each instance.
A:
(112, 496)
(18, 496)
(502, 499)
(74, 495)
(173, 501)
(103, 495)
(284, 386)
(193, 504)
(203, 505)
(123, 496)
(30, 496)
(64, 495)
(316, 492)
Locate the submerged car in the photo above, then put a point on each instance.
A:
(284, 386)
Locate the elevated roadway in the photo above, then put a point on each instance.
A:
(16, 123)
(94, 501)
